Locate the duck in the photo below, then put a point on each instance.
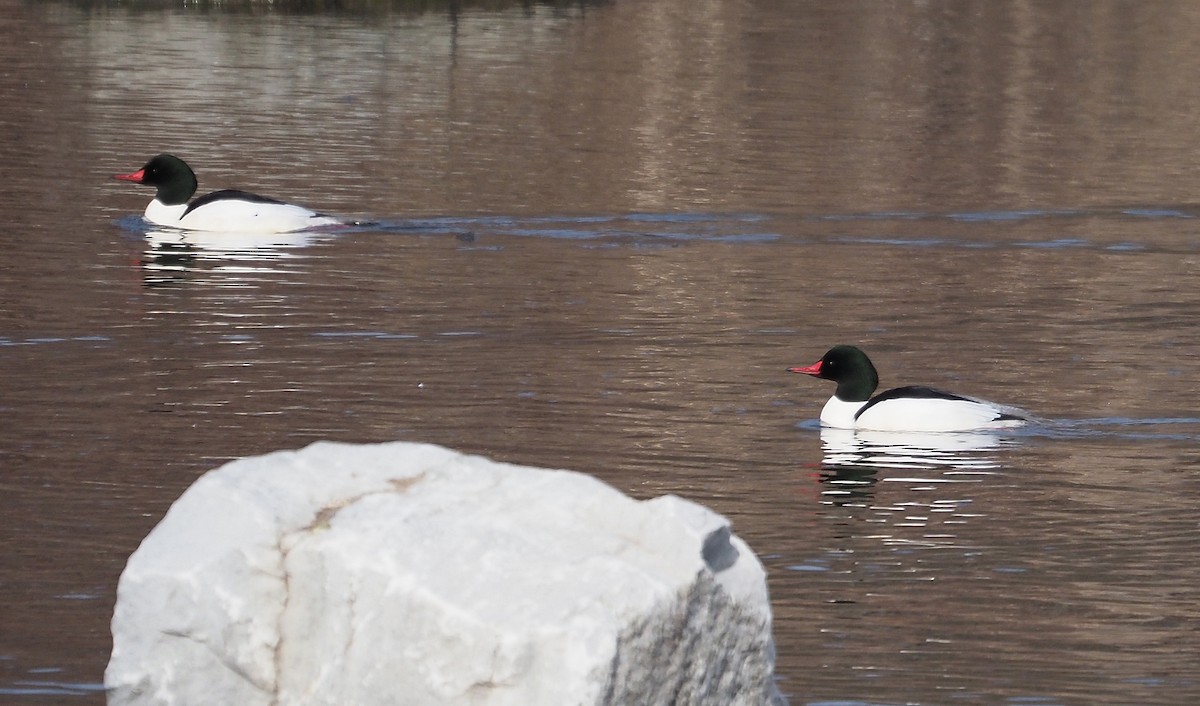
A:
(228, 210)
(911, 408)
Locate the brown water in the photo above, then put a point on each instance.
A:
(602, 233)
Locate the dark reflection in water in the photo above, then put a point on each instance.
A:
(352, 8)
(596, 234)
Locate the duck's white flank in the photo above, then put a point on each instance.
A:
(916, 414)
(237, 216)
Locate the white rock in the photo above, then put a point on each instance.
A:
(410, 574)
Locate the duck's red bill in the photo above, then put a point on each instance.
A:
(814, 369)
(137, 176)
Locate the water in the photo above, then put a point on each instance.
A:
(601, 233)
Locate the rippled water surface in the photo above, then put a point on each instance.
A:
(595, 236)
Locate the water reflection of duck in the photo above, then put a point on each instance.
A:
(224, 211)
(232, 246)
(173, 255)
(849, 448)
(912, 408)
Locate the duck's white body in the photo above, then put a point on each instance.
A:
(234, 215)
(920, 414)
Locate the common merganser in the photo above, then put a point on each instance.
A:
(228, 210)
(912, 408)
